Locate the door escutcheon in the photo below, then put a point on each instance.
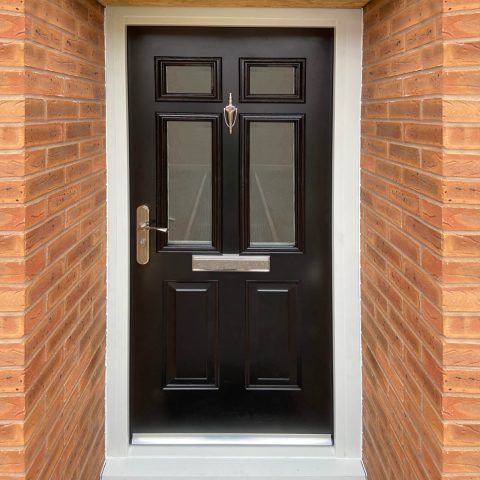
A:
(143, 239)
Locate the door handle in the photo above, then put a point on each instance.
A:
(143, 238)
(147, 226)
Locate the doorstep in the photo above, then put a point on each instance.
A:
(216, 468)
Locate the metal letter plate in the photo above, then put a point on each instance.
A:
(230, 263)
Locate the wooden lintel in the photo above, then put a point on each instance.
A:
(244, 3)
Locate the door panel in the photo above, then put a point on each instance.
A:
(272, 350)
(231, 351)
(191, 348)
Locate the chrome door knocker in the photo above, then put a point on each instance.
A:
(230, 114)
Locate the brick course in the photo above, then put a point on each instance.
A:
(52, 239)
(420, 239)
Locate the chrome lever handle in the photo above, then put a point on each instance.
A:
(147, 226)
(230, 114)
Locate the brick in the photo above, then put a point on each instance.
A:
(77, 9)
(461, 82)
(461, 110)
(389, 130)
(34, 109)
(12, 408)
(43, 134)
(57, 62)
(405, 244)
(62, 244)
(404, 154)
(461, 407)
(389, 89)
(423, 134)
(11, 381)
(422, 281)
(424, 84)
(12, 137)
(432, 56)
(64, 198)
(78, 170)
(12, 191)
(420, 35)
(463, 354)
(63, 109)
(461, 380)
(12, 82)
(409, 109)
(461, 299)
(53, 15)
(462, 54)
(12, 244)
(406, 63)
(12, 26)
(414, 15)
(371, 110)
(44, 183)
(11, 54)
(460, 26)
(455, 5)
(432, 109)
(458, 218)
(404, 199)
(422, 183)
(43, 283)
(35, 57)
(62, 154)
(78, 130)
(461, 245)
(466, 192)
(461, 272)
(43, 33)
(12, 460)
(467, 138)
(41, 234)
(42, 83)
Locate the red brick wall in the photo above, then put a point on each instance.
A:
(52, 239)
(421, 239)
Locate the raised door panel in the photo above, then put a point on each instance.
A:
(272, 323)
(191, 336)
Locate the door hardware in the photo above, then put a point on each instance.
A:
(143, 238)
(147, 226)
(230, 114)
(230, 263)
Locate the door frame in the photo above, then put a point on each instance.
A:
(343, 459)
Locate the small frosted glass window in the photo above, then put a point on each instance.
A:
(189, 170)
(193, 79)
(271, 80)
(272, 183)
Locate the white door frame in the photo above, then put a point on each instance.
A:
(154, 462)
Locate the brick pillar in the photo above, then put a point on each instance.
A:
(52, 239)
(421, 239)
(458, 270)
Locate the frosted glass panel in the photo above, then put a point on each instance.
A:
(265, 80)
(189, 79)
(272, 183)
(189, 169)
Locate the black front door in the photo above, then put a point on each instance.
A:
(231, 308)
